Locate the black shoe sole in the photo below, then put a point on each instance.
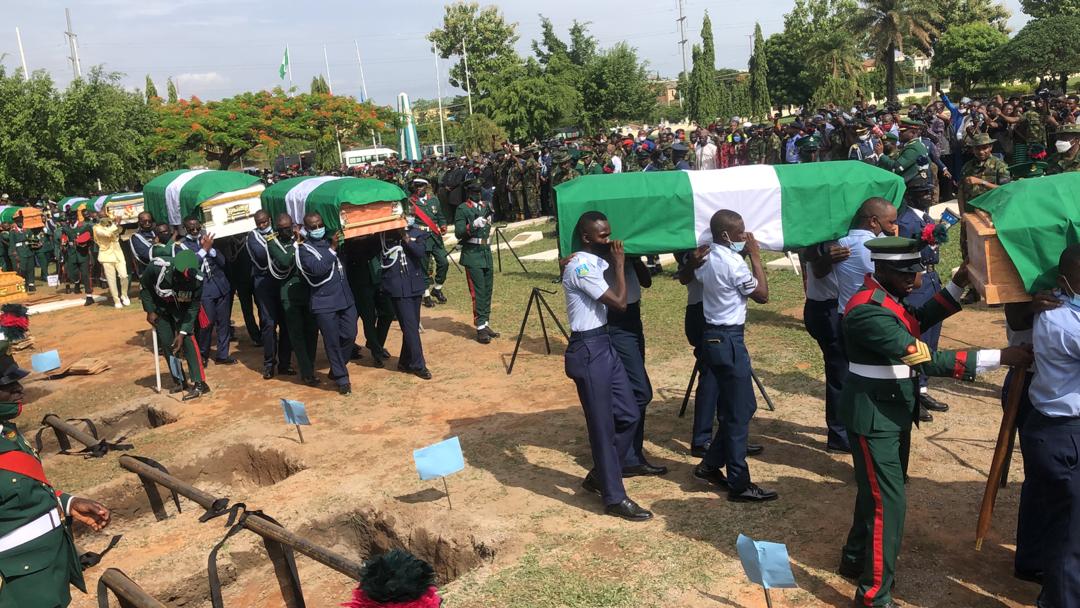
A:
(740, 498)
(629, 517)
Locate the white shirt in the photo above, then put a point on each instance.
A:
(584, 284)
(706, 156)
(633, 286)
(1055, 390)
(616, 162)
(826, 288)
(726, 283)
(851, 273)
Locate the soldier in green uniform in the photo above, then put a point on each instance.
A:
(428, 212)
(38, 561)
(5, 247)
(531, 180)
(472, 227)
(563, 171)
(773, 147)
(171, 296)
(1029, 131)
(1066, 156)
(757, 148)
(983, 173)
(877, 402)
(295, 297)
(913, 162)
(27, 245)
(78, 239)
(515, 189)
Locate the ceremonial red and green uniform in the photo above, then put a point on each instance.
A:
(38, 562)
(178, 309)
(476, 256)
(877, 406)
(77, 240)
(428, 211)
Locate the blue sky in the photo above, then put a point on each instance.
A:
(215, 48)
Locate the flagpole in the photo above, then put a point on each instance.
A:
(438, 87)
(468, 86)
(22, 55)
(326, 61)
(288, 64)
(363, 83)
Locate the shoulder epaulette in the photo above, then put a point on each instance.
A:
(878, 297)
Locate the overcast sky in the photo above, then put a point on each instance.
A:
(215, 48)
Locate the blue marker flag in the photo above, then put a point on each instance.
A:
(294, 412)
(765, 563)
(45, 362)
(439, 459)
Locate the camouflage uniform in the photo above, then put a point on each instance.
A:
(773, 148)
(515, 190)
(992, 170)
(757, 149)
(531, 179)
(1029, 131)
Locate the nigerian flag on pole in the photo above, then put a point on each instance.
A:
(284, 67)
(785, 206)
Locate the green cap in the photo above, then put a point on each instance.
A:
(1069, 129)
(904, 255)
(184, 261)
(889, 135)
(1028, 169)
(910, 123)
(980, 139)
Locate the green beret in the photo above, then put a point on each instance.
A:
(980, 139)
(904, 255)
(910, 123)
(889, 135)
(184, 261)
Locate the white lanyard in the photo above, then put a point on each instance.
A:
(273, 268)
(395, 253)
(251, 254)
(315, 253)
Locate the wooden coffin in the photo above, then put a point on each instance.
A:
(12, 287)
(992, 272)
(231, 213)
(372, 218)
(32, 218)
(126, 212)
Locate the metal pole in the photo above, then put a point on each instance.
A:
(438, 88)
(22, 54)
(324, 556)
(329, 82)
(188, 491)
(682, 43)
(73, 44)
(468, 85)
(82, 437)
(288, 65)
(363, 83)
(125, 589)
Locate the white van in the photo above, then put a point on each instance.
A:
(367, 156)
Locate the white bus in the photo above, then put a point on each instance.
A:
(367, 156)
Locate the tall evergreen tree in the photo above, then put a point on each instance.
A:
(326, 158)
(760, 103)
(151, 90)
(170, 90)
(704, 94)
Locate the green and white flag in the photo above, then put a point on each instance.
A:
(69, 201)
(1035, 220)
(284, 67)
(174, 196)
(324, 195)
(785, 206)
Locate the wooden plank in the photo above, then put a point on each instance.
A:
(993, 274)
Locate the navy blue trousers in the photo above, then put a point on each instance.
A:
(218, 310)
(628, 338)
(1030, 525)
(822, 321)
(707, 393)
(726, 354)
(931, 285)
(277, 348)
(1051, 448)
(338, 329)
(611, 415)
(407, 311)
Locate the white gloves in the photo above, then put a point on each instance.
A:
(480, 222)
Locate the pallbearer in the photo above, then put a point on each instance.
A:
(277, 349)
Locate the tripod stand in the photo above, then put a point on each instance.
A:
(537, 297)
(499, 236)
(693, 378)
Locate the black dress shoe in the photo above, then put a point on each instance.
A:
(255, 343)
(753, 449)
(924, 415)
(89, 301)
(438, 294)
(312, 381)
(699, 451)
(849, 570)
(642, 470)
(712, 475)
(428, 302)
(1030, 576)
(226, 361)
(422, 373)
(378, 362)
(286, 371)
(932, 404)
(197, 390)
(860, 603)
(752, 493)
(589, 485)
(268, 373)
(356, 354)
(345, 389)
(628, 509)
(178, 388)
(840, 449)
(482, 337)
(491, 332)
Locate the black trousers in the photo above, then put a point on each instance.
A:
(822, 321)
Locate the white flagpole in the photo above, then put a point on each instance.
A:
(438, 87)
(289, 64)
(468, 86)
(326, 60)
(363, 83)
(22, 54)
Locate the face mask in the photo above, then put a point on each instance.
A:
(9, 411)
(285, 234)
(736, 139)
(864, 137)
(1074, 298)
(317, 233)
(1063, 146)
(737, 247)
(265, 231)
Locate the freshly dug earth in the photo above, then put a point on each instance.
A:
(521, 532)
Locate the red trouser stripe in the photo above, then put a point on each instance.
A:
(472, 293)
(198, 359)
(878, 531)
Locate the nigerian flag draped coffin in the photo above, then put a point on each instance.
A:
(355, 205)
(224, 200)
(785, 206)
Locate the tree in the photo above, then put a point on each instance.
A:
(530, 103)
(170, 90)
(1041, 9)
(151, 90)
(760, 104)
(964, 12)
(785, 64)
(480, 134)
(703, 102)
(549, 43)
(967, 54)
(1044, 48)
(889, 24)
(30, 127)
(483, 34)
(616, 88)
(326, 156)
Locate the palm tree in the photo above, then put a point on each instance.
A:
(890, 24)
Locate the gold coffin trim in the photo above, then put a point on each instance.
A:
(229, 199)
